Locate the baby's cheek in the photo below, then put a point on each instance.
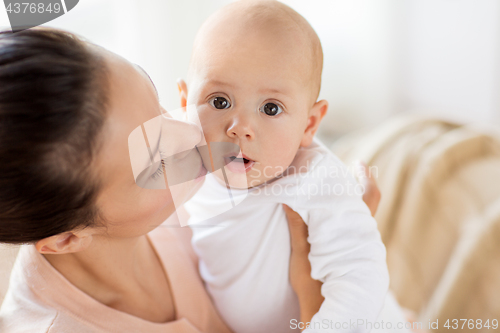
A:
(282, 155)
(209, 125)
(285, 147)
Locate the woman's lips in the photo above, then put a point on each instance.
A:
(201, 174)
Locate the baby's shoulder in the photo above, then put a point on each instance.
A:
(318, 181)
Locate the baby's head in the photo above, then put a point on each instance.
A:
(255, 77)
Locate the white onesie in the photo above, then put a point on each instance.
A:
(244, 252)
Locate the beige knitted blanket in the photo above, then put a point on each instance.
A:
(439, 215)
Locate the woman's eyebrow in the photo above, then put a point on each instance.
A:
(149, 80)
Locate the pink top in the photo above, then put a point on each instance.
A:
(40, 299)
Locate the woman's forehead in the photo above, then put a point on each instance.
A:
(133, 98)
(132, 102)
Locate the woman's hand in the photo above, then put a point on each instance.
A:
(307, 289)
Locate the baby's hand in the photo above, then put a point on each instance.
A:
(372, 194)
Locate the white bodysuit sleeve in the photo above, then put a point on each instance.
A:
(347, 253)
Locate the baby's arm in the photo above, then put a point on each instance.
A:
(347, 255)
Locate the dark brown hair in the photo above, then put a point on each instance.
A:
(53, 92)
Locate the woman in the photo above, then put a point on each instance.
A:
(98, 262)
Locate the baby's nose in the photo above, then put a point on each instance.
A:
(241, 127)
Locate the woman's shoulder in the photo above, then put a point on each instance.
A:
(25, 315)
(41, 300)
(22, 309)
(22, 312)
(30, 305)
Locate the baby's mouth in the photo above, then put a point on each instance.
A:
(240, 163)
(239, 159)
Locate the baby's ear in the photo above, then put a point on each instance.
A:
(183, 92)
(317, 113)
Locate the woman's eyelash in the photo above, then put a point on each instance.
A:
(161, 167)
(158, 171)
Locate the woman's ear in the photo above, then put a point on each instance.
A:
(67, 242)
(183, 92)
(317, 113)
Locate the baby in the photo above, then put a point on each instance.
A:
(255, 78)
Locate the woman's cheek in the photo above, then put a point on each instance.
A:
(149, 203)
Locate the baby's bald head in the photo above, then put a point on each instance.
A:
(247, 26)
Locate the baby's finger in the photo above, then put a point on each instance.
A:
(361, 171)
(371, 195)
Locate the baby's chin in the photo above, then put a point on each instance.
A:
(237, 181)
(254, 182)
(243, 181)
(259, 177)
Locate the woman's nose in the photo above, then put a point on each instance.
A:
(241, 127)
(179, 136)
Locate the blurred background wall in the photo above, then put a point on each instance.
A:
(439, 57)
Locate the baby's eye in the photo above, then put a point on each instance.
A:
(271, 109)
(220, 103)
